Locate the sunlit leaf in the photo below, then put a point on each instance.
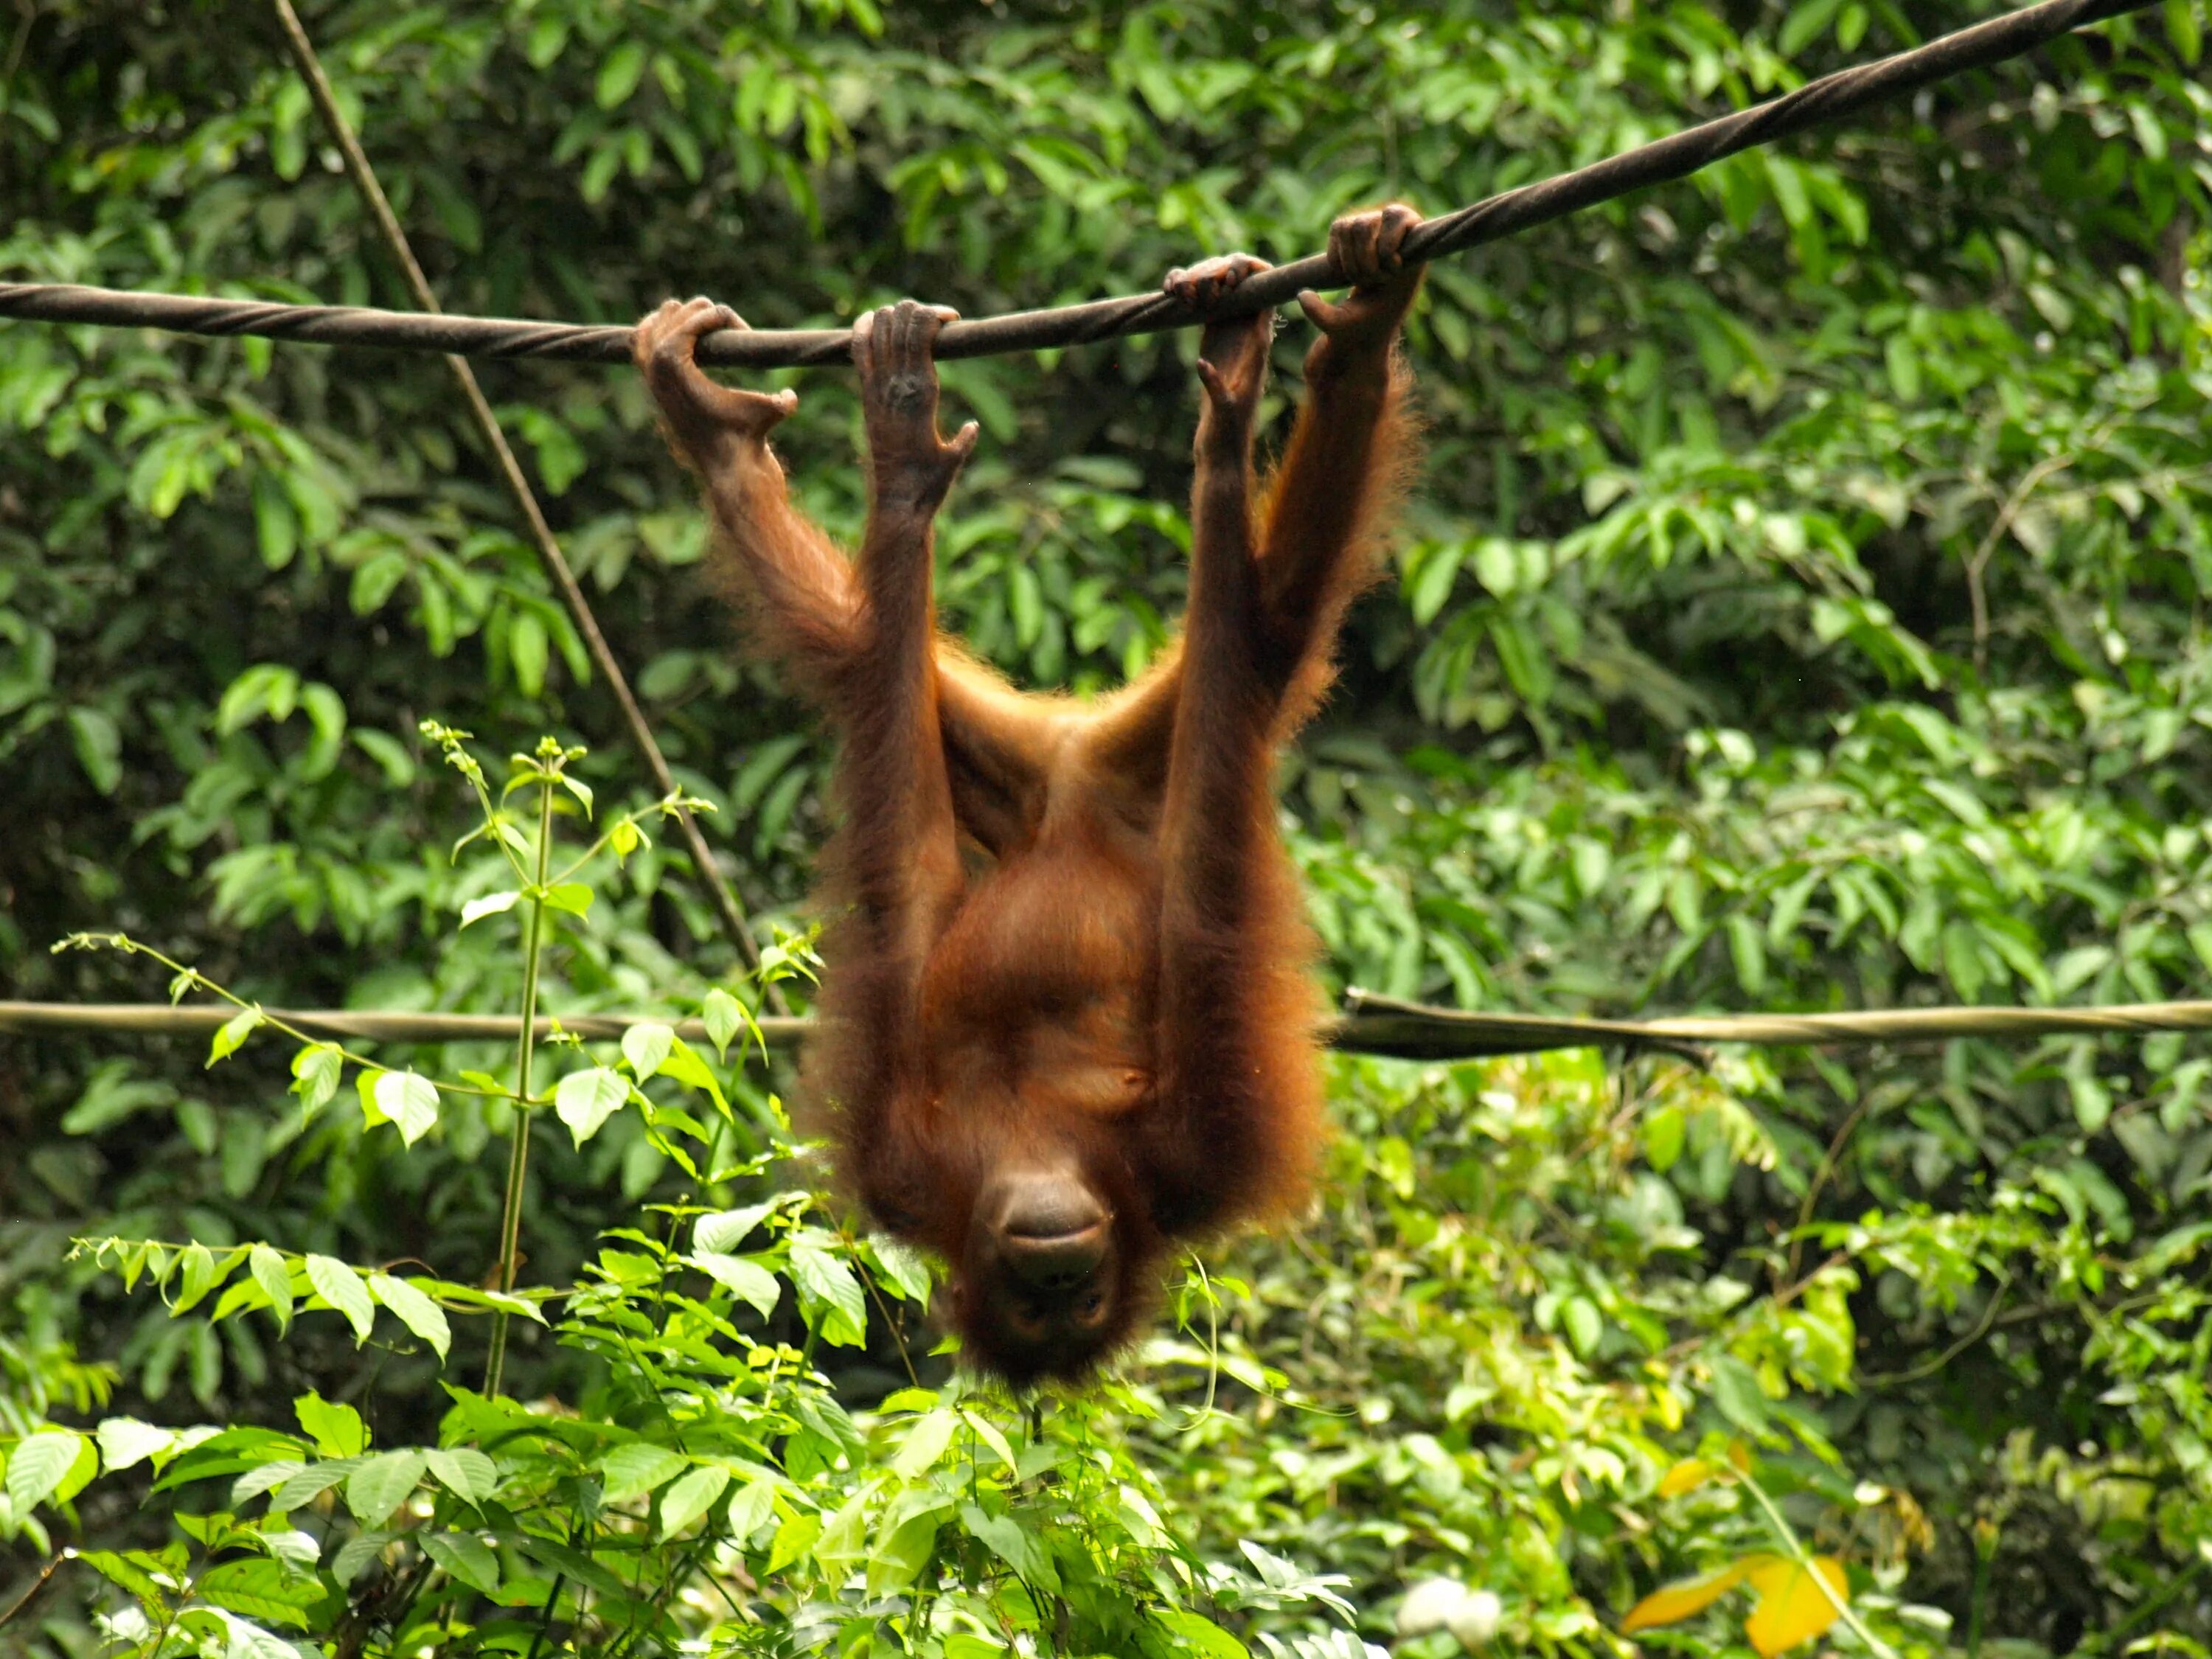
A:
(233, 1034)
(38, 1464)
(586, 1100)
(1685, 1476)
(412, 1309)
(381, 1484)
(124, 1441)
(466, 1556)
(687, 1500)
(1793, 1606)
(274, 1276)
(491, 904)
(409, 1101)
(463, 1471)
(633, 1470)
(341, 1286)
(1688, 1597)
(644, 1045)
(335, 1428)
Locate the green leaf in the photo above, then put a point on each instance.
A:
(684, 1065)
(382, 1484)
(127, 1576)
(198, 1274)
(275, 526)
(354, 1555)
(992, 1436)
(233, 1033)
(2093, 1102)
(412, 1309)
(263, 1477)
(260, 1588)
(1006, 1538)
(901, 1269)
(1737, 1393)
(829, 1296)
(794, 1540)
(926, 1441)
(619, 74)
(341, 1286)
(465, 1556)
(898, 1558)
(526, 652)
(748, 1281)
(1807, 20)
(99, 748)
(110, 1097)
(275, 1279)
(2183, 30)
(408, 1100)
(491, 904)
(310, 1483)
(249, 1641)
(125, 1441)
(723, 1230)
(750, 1509)
(335, 1427)
(691, 1497)
(585, 1100)
(316, 1070)
(38, 1466)
(724, 1017)
(1585, 1325)
(464, 1471)
(644, 1045)
(573, 896)
(364, 1082)
(633, 1470)
(1197, 1634)
(81, 1470)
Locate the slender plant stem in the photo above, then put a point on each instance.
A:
(2150, 1605)
(728, 910)
(545, 1617)
(526, 1047)
(1977, 1606)
(1787, 1536)
(45, 1577)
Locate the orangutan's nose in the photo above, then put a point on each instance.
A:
(1052, 1228)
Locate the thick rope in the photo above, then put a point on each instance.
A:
(1373, 1025)
(1829, 99)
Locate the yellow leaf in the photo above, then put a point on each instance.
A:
(1793, 1607)
(1686, 1598)
(1688, 1476)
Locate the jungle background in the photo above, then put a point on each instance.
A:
(1800, 607)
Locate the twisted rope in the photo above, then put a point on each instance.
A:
(1412, 1030)
(1372, 1025)
(1828, 99)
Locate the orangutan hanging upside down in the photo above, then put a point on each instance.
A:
(1094, 1036)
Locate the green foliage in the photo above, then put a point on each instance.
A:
(1798, 609)
(707, 1487)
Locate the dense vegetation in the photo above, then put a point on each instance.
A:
(1800, 609)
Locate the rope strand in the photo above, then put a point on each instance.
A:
(1378, 1025)
(1828, 99)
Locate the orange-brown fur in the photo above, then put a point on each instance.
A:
(1063, 930)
